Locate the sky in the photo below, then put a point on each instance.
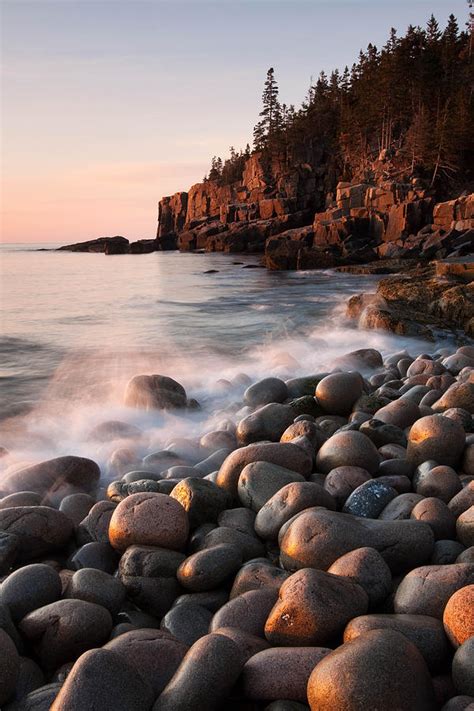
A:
(107, 105)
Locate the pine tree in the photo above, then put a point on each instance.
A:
(267, 129)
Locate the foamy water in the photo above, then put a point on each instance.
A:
(76, 327)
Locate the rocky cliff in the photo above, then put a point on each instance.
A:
(294, 217)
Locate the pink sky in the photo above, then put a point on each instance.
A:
(107, 105)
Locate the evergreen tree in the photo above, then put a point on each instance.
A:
(270, 124)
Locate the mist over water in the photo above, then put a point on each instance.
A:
(77, 327)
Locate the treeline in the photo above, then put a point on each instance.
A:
(413, 99)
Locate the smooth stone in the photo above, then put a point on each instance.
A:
(154, 392)
(99, 587)
(149, 519)
(288, 501)
(340, 482)
(400, 483)
(63, 630)
(55, 478)
(40, 530)
(446, 552)
(267, 423)
(21, 498)
(201, 499)
(436, 437)
(348, 449)
(102, 679)
(306, 385)
(248, 644)
(197, 537)
(463, 669)
(257, 574)
(159, 462)
(266, 391)
(400, 413)
(187, 622)
(436, 514)
(95, 555)
(337, 393)
(463, 500)
(142, 485)
(441, 481)
(214, 461)
(30, 677)
(465, 527)
(426, 633)
(304, 428)
(95, 526)
(209, 568)
(382, 433)
(312, 607)
(467, 556)
(259, 481)
(154, 654)
(212, 600)
(249, 546)
(149, 576)
(317, 537)
(381, 669)
(458, 616)
(205, 677)
(247, 612)
(467, 464)
(400, 508)
(76, 506)
(9, 548)
(426, 590)
(40, 699)
(462, 416)
(28, 588)
(361, 358)
(369, 499)
(459, 394)
(367, 568)
(280, 673)
(9, 667)
(218, 439)
(242, 519)
(285, 454)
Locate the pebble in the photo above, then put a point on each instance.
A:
(463, 669)
(337, 393)
(259, 481)
(247, 612)
(369, 499)
(367, 568)
(9, 667)
(202, 500)
(209, 568)
(98, 587)
(28, 588)
(187, 622)
(348, 449)
(154, 392)
(288, 501)
(426, 590)
(458, 616)
(436, 437)
(40, 530)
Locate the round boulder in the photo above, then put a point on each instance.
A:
(436, 437)
(154, 392)
(458, 616)
(337, 393)
(348, 449)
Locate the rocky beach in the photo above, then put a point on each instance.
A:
(315, 549)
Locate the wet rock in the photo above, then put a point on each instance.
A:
(426, 633)
(209, 568)
(39, 529)
(348, 449)
(9, 547)
(248, 644)
(247, 612)
(399, 413)
(154, 392)
(459, 394)
(463, 500)
(446, 552)
(342, 481)
(95, 555)
(304, 428)
(436, 437)
(149, 519)
(369, 499)
(28, 588)
(280, 673)
(257, 574)
(266, 391)
(463, 669)
(381, 433)
(149, 576)
(312, 607)
(436, 514)
(458, 616)
(442, 482)
(337, 393)
(76, 507)
(259, 481)
(212, 600)
(367, 568)
(98, 587)
(62, 631)
(201, 499)
(21, 498)
(155, 655)
(241, 519)
(465, 527)
(9, 667)
(267, 423)
(249, 546)
(288, 501)
(205, 677)
(316, 538)
(426, 590)
(284, 454)
(366, 673)
(95, 526)
(102, 679)
(55, 478)
(187, 622)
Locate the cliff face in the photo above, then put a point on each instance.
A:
(290, 214)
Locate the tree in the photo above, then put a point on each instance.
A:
(270, 124)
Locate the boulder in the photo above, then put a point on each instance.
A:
(154, 392)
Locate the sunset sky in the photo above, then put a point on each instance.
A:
(107, 105)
